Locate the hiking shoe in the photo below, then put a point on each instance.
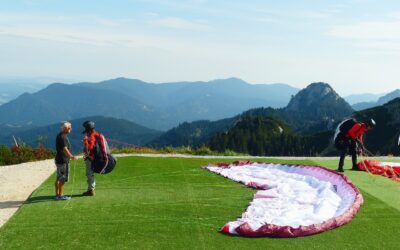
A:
(65, 198)
(89, 193)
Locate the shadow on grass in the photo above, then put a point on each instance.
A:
(47, 198)
(10, 204)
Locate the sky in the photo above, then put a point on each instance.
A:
(354, 45)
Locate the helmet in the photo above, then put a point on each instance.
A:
(371, 123)
(88, 125)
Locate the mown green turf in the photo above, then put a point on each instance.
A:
(171, 203)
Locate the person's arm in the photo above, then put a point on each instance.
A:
(86, 151)
(355, 133)
(88, 144)
(360, 138)
(67, 153)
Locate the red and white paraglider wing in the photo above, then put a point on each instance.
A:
(387, 169)
(293, 201)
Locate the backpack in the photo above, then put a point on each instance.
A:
(342, 130)
(103, 162)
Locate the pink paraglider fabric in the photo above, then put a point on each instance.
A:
(293, 200)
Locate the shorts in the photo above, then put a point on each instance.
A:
(62, 172)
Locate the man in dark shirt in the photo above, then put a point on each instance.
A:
(63, 156)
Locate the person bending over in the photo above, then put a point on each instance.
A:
(351, 141)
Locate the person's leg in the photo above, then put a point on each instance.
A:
(353, 151)
(56, 187)
(62, 177)
(90, 179)
(61, 188)
(65, 179)
(343, 152)
(60, 174)
(342, 147)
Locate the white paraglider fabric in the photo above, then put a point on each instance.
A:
(290, 196)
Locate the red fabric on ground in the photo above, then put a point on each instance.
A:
(375, 167)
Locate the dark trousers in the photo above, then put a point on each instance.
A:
(350, 147)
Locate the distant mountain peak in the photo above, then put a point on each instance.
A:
(388, 97)
(312, 95)
(235, 79)
(321, 100)
(55, 85)
(320, 88)
(230, 80)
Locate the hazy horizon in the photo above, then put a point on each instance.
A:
(43, 81)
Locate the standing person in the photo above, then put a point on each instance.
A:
(88, 144)
(350, 140)
(63, 156)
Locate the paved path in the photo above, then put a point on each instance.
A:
(17, 182)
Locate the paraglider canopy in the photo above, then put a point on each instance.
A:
(293, 200)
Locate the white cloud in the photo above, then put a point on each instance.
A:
(179, 23)
(42, 19)
(373, 37)
(298, 14)
(91, 30)
(368, 30)
(90, 37)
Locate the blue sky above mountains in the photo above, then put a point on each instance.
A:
(353, 44)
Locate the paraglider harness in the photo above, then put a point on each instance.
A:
(102, 162)
(341, 139)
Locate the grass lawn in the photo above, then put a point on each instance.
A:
(170, 203)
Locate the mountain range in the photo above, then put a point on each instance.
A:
(256, 133)
(302, 127)
(365, 97)
(315, 109)
(10, 90)
(381, 100)
(265, 136)
(157, 106)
